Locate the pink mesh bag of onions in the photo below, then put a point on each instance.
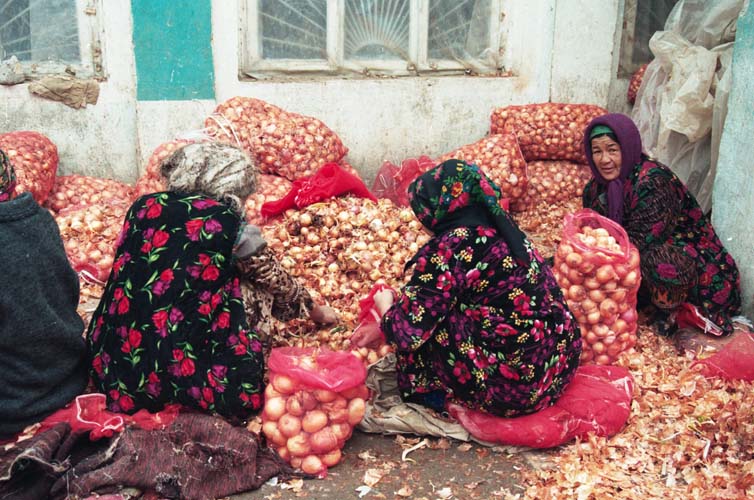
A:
(597, 268)
(548, 131)
(551, 182)
(597, 401)
(313, 401)
(81, 190)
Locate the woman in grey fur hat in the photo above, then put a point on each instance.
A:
(189, 287)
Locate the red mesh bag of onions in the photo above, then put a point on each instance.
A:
(597, 401)
(82, 190)
(500, 158)
(35, 159)
(552, 182)
(635, 83)
(313, 401)
(392, 181)
(281, 142)
(597, 268)
(548, 131)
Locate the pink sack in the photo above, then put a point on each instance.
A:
(597, 401)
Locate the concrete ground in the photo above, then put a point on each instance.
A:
(441, 469)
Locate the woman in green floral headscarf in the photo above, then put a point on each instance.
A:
(481, 322)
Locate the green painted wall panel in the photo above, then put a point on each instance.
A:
(173, 49)
(733, 194)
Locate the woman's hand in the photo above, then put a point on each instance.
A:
(323, 315)
(383, 300)
(368, 335)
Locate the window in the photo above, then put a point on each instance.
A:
(641, 19)
(371, 37)
(50, 36)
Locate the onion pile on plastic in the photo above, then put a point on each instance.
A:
(81, 190)
(89, 234)
(549, 131)
(34, 158)
(552, 182)
(308, 427)
(600, 285)
(635, 83)
(281, 142)
(339, 248)
(152, 180)
(500, 158)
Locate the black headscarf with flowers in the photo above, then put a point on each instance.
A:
(457, 194)
(7, 178)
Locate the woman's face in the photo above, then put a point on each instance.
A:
(607, 157)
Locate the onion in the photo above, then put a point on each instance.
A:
(289, 425)
(342, 431)
(293, 405)
(270, 429)
(360, 391)
(283, 384)
(312, 465)
(324, 395)
(356, 409)
(298, 445)
(323, 441)
(314, 421)
(332, 458)
(274, 408)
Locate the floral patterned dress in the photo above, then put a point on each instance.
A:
(487, 332)
(660, 214)
(171, 325)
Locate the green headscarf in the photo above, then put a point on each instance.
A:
(600, 130)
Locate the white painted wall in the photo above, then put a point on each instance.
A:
(559, 50)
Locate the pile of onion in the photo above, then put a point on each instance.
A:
(499, 156)
(635, 83)
(599, 275)
(89, 234)
(34, 158)
(552, 182)
(548, 131)
(306, 425)
(81, 190)
(152, 180)
(339, 248)
(281, 142)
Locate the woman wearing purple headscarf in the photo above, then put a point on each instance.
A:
(683, 263)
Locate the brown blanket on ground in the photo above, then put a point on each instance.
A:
(198, 457)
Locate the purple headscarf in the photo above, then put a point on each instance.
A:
(628, 136)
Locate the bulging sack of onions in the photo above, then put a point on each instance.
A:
(597, 267)
(500, 157)
(81, 190)
(152, 180)
(552, 182)
(312, 403)
(89, 234)
(35, 159)
(548, 131)
(281, 142)
(635, 83)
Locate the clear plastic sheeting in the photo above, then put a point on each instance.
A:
(682, 102)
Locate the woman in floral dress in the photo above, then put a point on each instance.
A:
(172, 326)
(481, 322)
(682, 259)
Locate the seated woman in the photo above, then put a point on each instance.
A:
(682, 259)
(481, 322)
(172, 325)
(42, 350)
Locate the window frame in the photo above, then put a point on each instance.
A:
(253, 65)
(88, 21)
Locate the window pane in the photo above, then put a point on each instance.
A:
(459, 29)
(377, 29)
(650, 17)
(294, 29)
(39, 30)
